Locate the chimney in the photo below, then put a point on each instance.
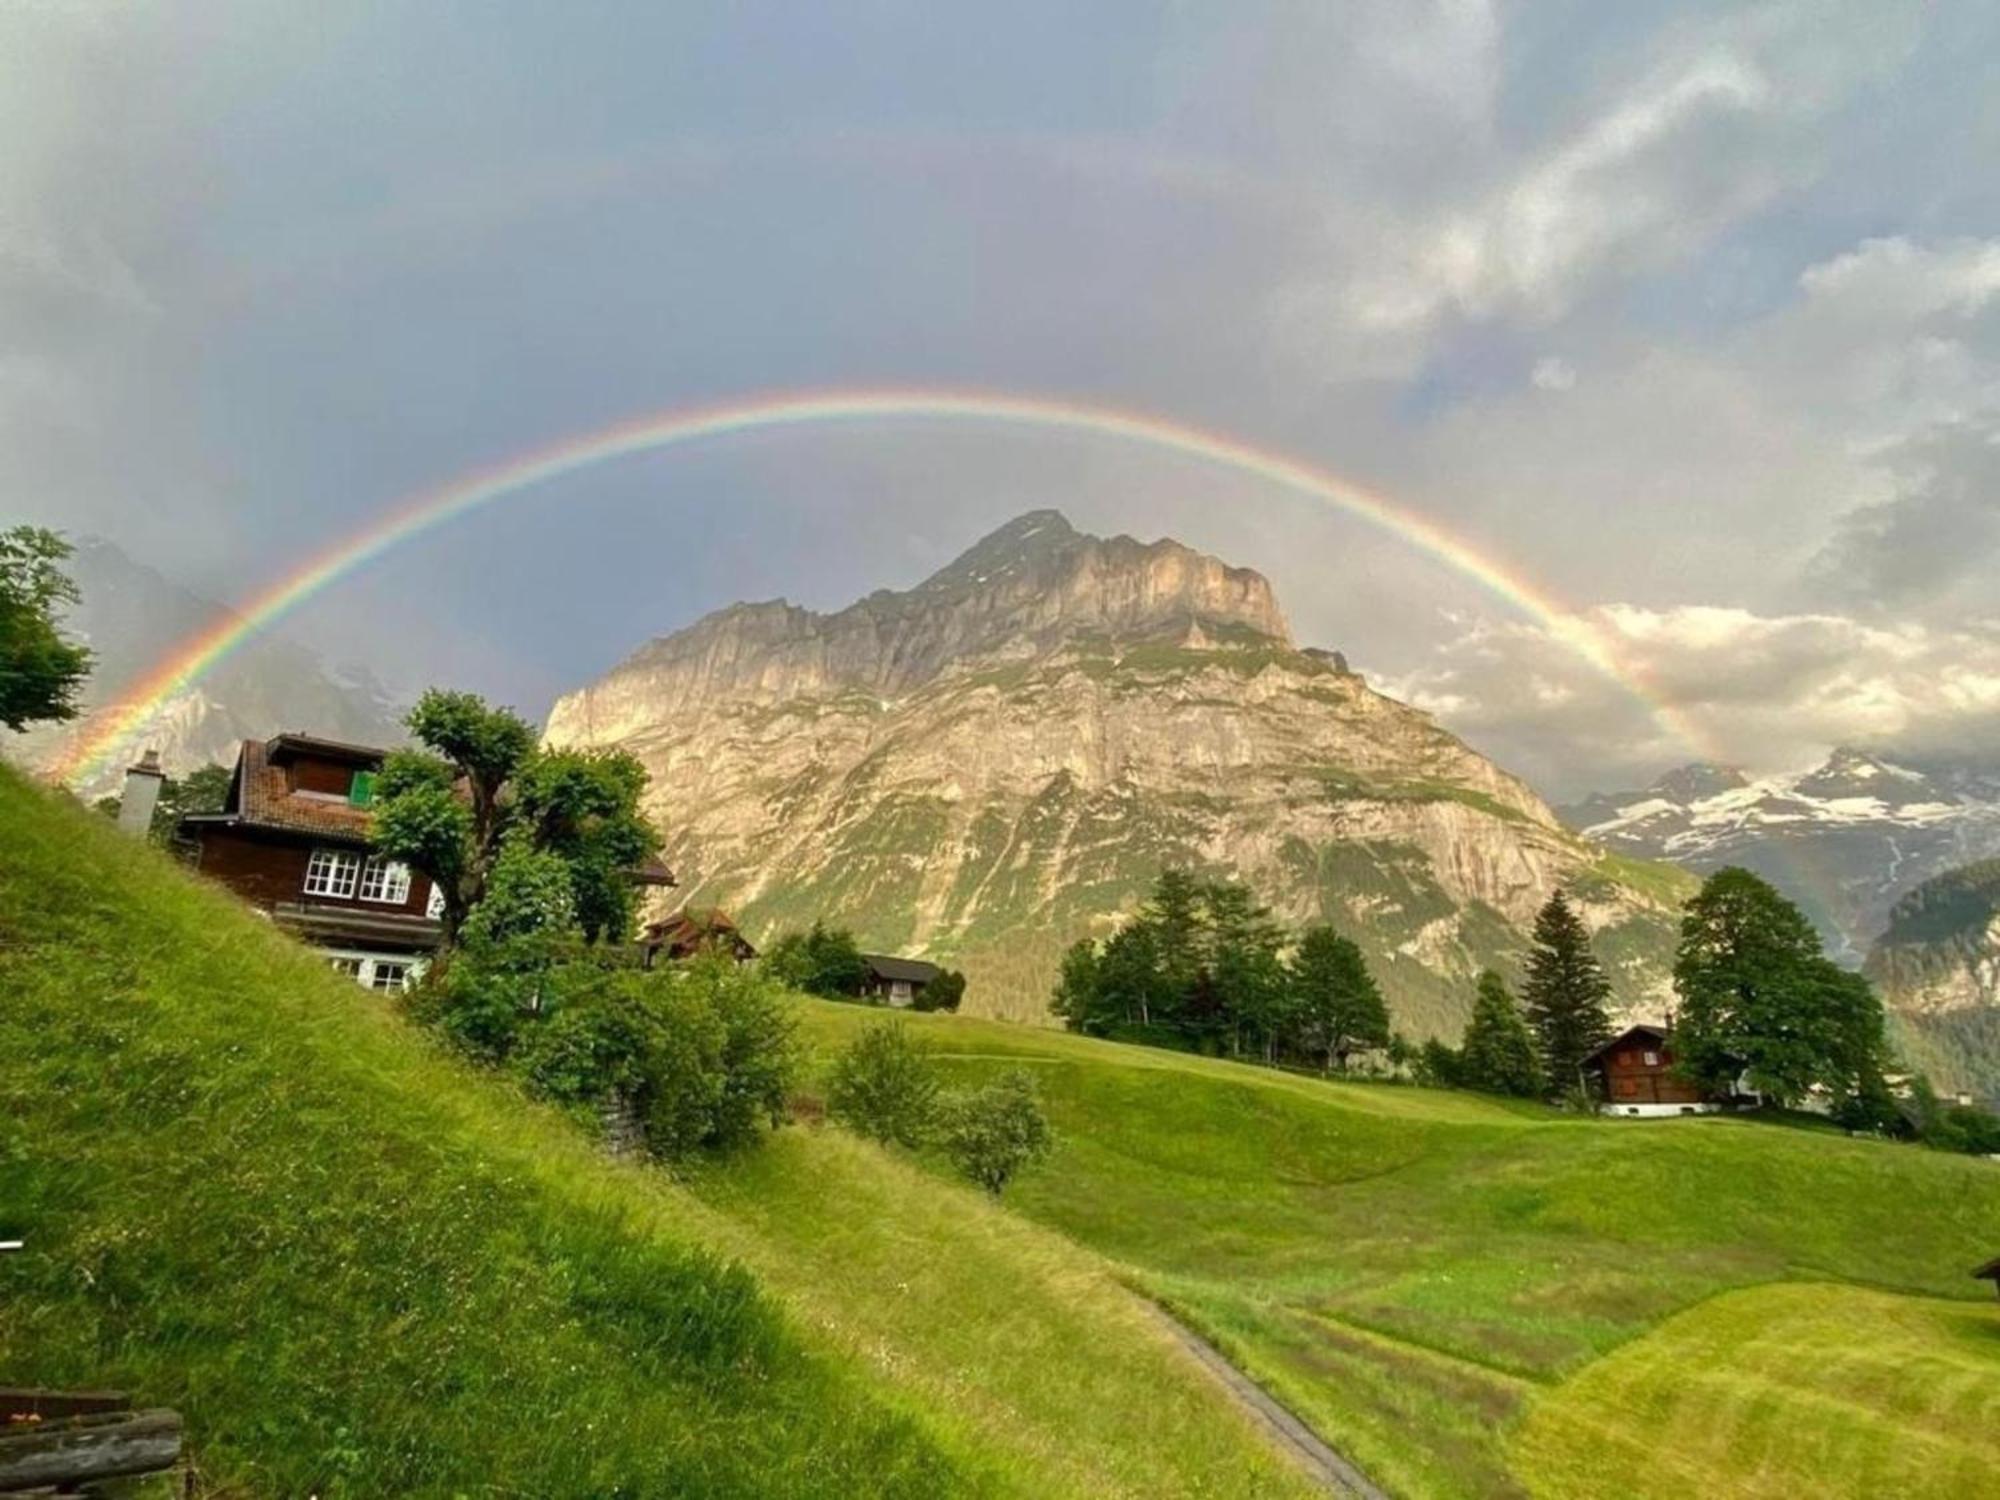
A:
(142, 795)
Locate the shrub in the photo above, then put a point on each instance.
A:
(943, 992)
(993, 1132)
(884, 1085)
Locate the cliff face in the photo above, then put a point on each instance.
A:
(1938, 968)
(986, 766)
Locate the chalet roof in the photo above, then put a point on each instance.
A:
(1640, 1033)
(891, 969)
(651, 871)
(260, 796)
(692, 928)
(291, 745)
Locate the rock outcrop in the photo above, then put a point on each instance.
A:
(990, 764)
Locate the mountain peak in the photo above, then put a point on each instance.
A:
(1022, 542)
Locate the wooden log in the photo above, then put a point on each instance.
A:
(108, 1445)
(28, 1401)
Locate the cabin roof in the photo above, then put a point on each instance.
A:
(261, 796)
(1641, 1032)
(910, 970)
(291, 745)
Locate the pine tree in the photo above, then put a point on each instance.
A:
(1499, 1055)
(1565, 993)
(1336, 1008)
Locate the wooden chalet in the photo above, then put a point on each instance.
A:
(691, 931)
(896, 981)
(294, 840)
(1633, 1074)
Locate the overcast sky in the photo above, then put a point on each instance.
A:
(1690, 314)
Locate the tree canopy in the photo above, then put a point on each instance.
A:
(1759, 998)
(1499, 1055)
(482, 790)
(1203, 965)
(41, 671)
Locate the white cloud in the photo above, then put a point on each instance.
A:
(1553, 374)
(1769, 692)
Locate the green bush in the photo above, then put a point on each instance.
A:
(884, 1085)
(993, 1132)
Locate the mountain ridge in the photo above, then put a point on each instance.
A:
(1001, 758)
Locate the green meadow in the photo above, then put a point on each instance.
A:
(1440, 1283)
(360, 1267)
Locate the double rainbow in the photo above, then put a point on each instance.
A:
(122, 724)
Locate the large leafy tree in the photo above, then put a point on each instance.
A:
(1758, 997)
(822, 961)
(1499, 1054)
(1565, 992)
(481, 787)
(41, 672)
(1336, 1008)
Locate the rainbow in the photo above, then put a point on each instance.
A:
(119, 725)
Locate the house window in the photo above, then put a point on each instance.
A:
(361, 790)
(434, 907)
(392, 978)
(332, 872)
(385, 880)
(351, 967)
(1652, 1059)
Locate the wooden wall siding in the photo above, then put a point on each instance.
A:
(267, 871)
(1631, 1080)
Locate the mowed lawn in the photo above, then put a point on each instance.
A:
(1794, 1389)
(360, 1268)
(1415, 1272)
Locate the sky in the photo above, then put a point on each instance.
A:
(1688, 314)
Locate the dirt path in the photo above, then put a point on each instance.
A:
(1334, 1472)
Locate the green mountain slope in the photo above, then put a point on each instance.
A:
(1445, 1286)
(250, 1191)
(1000, 760)
(1938, 967)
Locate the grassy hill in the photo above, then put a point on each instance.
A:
(1473, 1298)
(361, 1269)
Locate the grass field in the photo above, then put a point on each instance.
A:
(359, 1268)
(1423, 1275)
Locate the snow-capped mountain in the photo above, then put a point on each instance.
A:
(1845, 840)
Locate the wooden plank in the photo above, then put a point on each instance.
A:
(27, 1401)
(108, 1445)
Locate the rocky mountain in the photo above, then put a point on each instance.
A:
(986, 766)
(1938, 968)
(130, 616)
(1845, 840)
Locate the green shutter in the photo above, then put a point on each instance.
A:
(362, 792)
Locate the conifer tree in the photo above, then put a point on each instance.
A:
(1499, 1054)
(1337, 1010)
(1565, 993)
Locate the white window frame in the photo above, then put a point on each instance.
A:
(385, 881)
(1652, 1059)
(332, 872)
(405, 975)
(434, 907)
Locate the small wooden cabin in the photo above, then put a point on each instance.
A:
(1989, 1272)
(1634, 1075)
(294, 839)
(896, 981)
(690, 931)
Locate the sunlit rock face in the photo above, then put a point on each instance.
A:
(993, 763)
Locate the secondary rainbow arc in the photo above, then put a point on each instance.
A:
(184, 665)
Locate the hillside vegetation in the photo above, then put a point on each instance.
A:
(359, 1268)
(1466, 1295)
